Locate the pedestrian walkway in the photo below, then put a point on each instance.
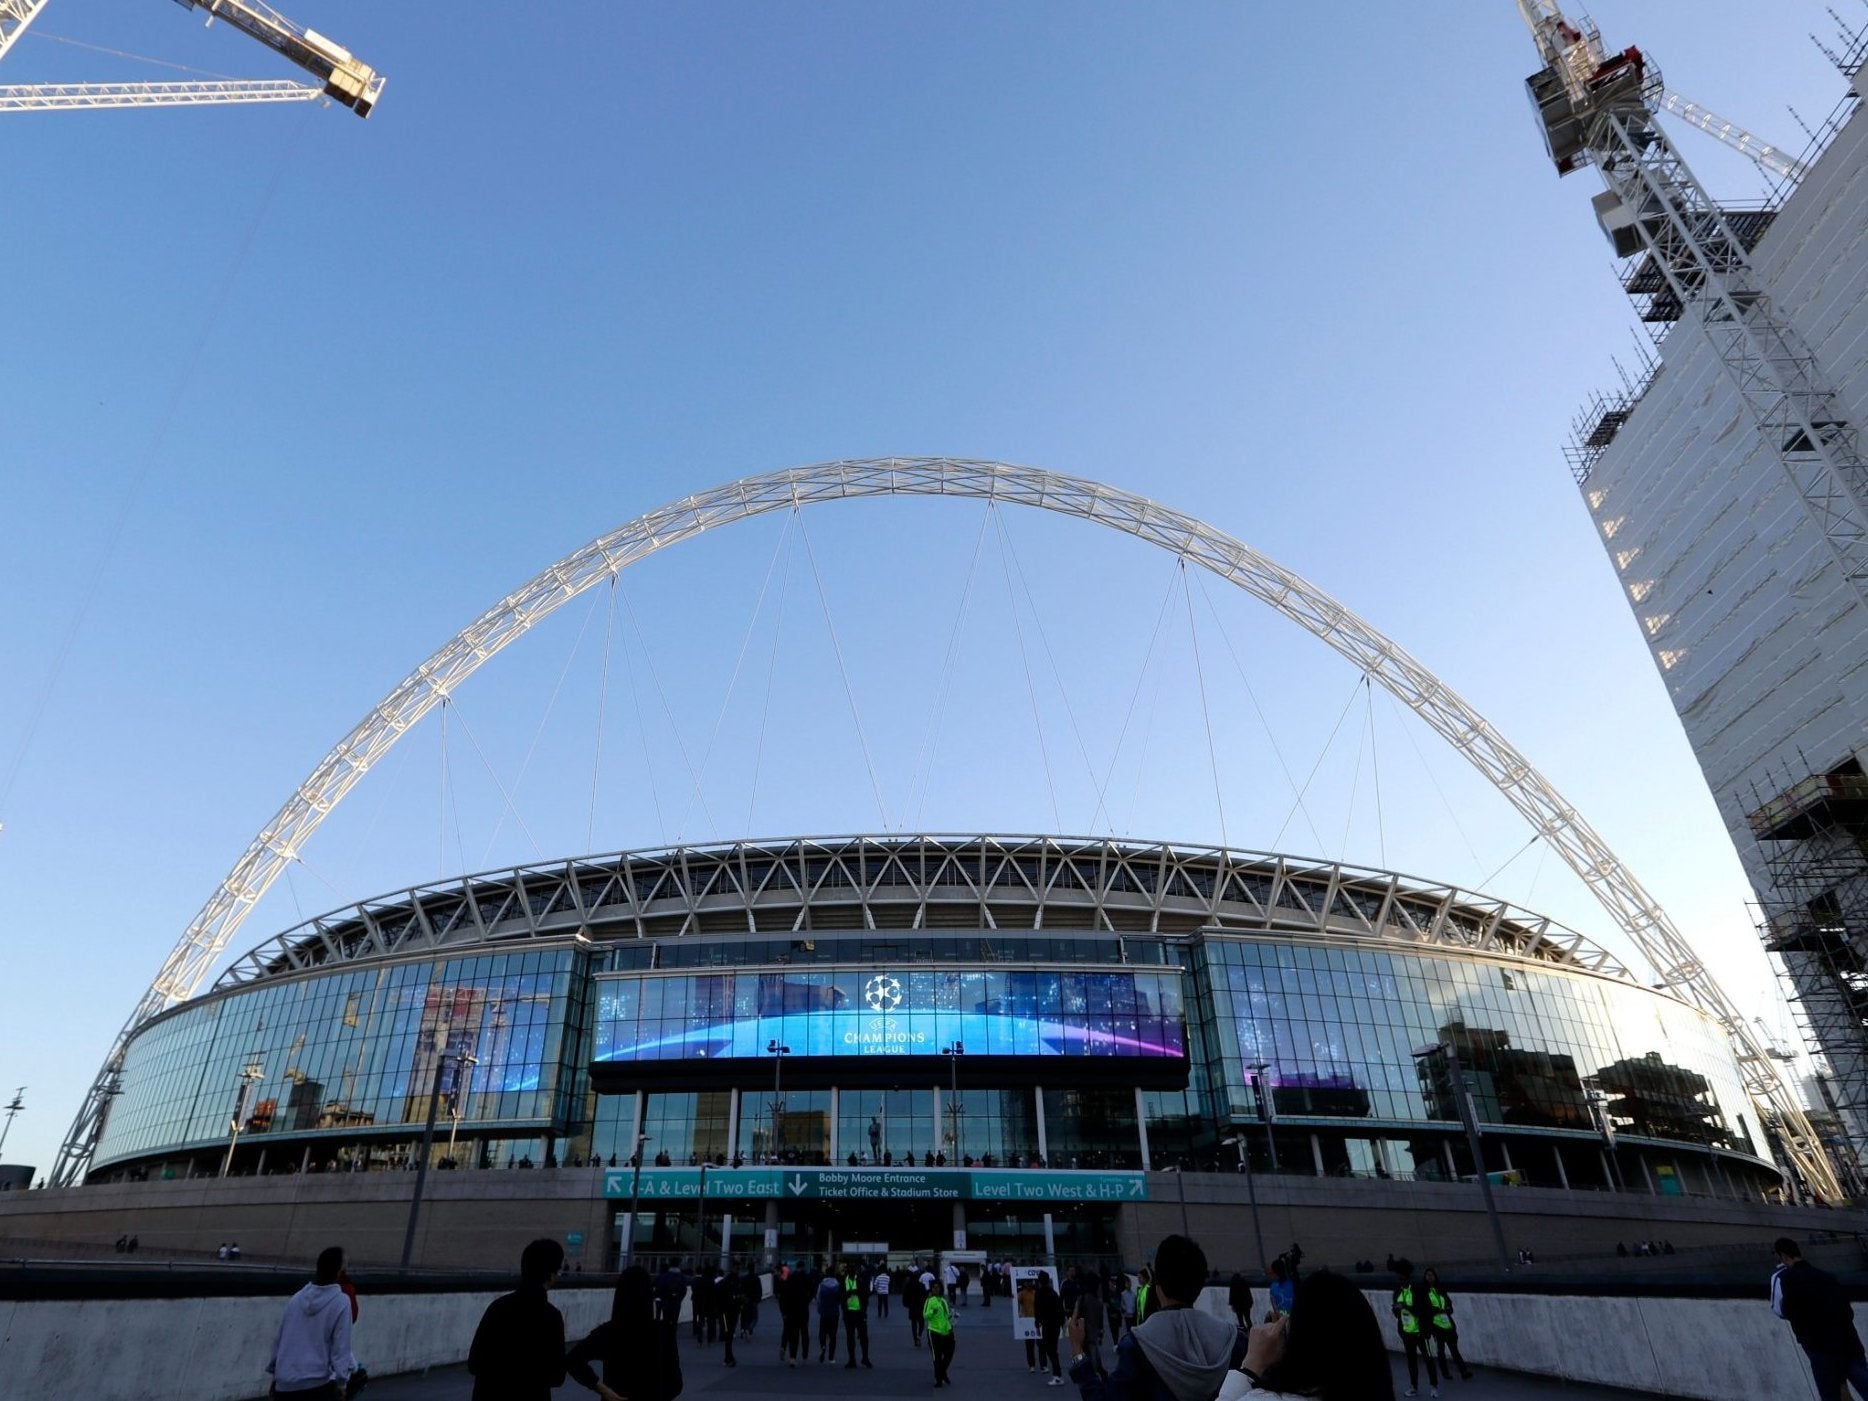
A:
(987, 1365)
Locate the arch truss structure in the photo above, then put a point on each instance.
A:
(1637, 913)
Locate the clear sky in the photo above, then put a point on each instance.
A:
(291, 397)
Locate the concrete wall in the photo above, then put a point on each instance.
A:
(217, 1349)
(1716, 1349)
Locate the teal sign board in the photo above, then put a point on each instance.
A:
(876, 1184)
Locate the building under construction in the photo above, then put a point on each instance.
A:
(1728, 483)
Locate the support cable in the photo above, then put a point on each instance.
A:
(37, 33)
(551, 704)
(642, 729)
(1485, 885)
(441, 814)
(505, 796)
(1375, 772)
(726, 701)
(1433, 778)
(849, 692)
(1322, 754)
(1031, 690)
(1355, 783)
(1050, 657)
(1206, 713)
(923, 777)
(668, 711)
(771, 676)
(603, 705)
(107, 553)
(1141, 678)
(1264, 723)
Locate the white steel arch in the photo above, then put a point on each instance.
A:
(1193, 540)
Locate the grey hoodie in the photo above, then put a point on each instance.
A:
(314, 1340)
(1189, 1350)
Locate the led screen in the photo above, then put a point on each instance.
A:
(877, 1011)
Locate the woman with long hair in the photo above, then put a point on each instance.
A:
(1328, 1346)
(640, 1359)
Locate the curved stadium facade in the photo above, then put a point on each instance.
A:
(953, 1002)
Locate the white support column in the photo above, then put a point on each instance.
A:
(1316, 1153)
(1141, 1124)
(1446, 1152)
(1556, 1151)
(1044, 1151)
(835, 1157)
(1504, 1149)
(1652, 1190)
(732, 1125)
(1050, 1239)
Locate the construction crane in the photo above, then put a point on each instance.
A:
(1599, 108)
(1764, 155)
(342, 77)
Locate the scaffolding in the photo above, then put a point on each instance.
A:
(1814, 834)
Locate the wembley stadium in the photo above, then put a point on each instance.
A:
(938, 1014)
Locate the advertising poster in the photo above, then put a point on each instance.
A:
(1025, 1300)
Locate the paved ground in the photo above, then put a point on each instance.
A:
(988, 1365)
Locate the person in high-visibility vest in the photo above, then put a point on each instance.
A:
(855, 1316)
(1444, 1332)
(939, 1319)
(1144, 1287)
(1411, 1321)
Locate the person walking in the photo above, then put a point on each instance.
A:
(829, 1307)
(1048, 1314)
(1239, 1299)
(1089, 1310)
(751, 1291)
(879, 1286)
(637, 1351)
(1176, 1351)
(794, 1312)
(1411, 1321)
(1440, 1321)
(706, 1310)
(914, 1300)
(311, 1356)
(1819, 1315)
(939, 1320)
(730, 1296)
(1144, 1287)
(855, 1317)
(518, 1349)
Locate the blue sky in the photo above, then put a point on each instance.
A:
(293, 397)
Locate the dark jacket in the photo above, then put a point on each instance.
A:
(1816, 1308)
(1048, 1312)
(639, 1359)
(518, 1349)
(1202, 1349)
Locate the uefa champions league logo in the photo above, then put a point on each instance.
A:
(883, 993)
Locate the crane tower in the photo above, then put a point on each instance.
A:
(1677, 510)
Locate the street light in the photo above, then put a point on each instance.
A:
(1251, 1189)
(454, 1099)
(428, 1143)
(1258, 1069)
(635, 1202)
(1463, 1103)
(18, 1103)
(250, 1075)
(953, 1054)
(778, 1054)
(1599, 1111)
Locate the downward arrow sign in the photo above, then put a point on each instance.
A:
(797, 1185)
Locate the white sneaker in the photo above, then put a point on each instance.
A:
(1057, 1381)
(1411, 1391)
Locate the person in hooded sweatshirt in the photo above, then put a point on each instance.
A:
(518, 1349)
(311, 1357)
(1176, 1353)
(637, 1350)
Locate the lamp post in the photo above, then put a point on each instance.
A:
(250, 1075)
(455, 1097)
(953, 1054)
(1463, 1103)
(1251, 1189)
(428, 1143)
(17, 1103)
(778, 1054)
(635, 1202)
(1599, 1111)
(1258, 1069)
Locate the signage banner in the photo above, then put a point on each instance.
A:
(876, 1184)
